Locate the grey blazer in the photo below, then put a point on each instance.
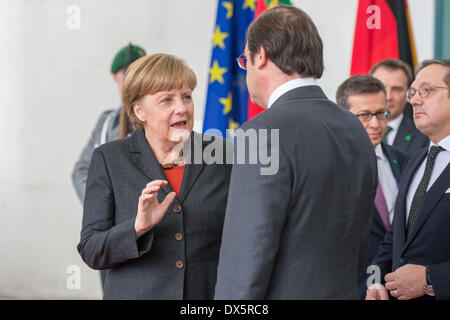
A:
(302, 233)
(106, 130)
(159, 265)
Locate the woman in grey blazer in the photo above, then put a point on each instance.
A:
(152, 215)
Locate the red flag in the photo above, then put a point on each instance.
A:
(383, 31)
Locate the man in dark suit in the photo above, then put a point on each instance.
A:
(414, 258)
(365, 97)
(301, 233)
(401, 132)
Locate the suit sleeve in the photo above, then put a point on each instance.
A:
(81, 168)
(254, 220)
(104, 243)
(383, 259)
(440, 277)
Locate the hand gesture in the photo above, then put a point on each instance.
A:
(150, 211)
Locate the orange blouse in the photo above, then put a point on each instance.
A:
(175, 177)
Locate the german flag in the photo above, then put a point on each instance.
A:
(383, 31)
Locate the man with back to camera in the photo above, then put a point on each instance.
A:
(414, 260)
(301, 233)
(397, 76)
(365, 97)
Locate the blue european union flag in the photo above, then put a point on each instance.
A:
(227, 98)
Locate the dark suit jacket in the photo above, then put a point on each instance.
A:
(303, 232)
(429, 244)
(408, 138)
(146, 269)
(397, 159)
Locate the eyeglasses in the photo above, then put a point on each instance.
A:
(242, 62)
(424, 91)
(381, 115)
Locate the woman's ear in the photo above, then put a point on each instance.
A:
(139, 111)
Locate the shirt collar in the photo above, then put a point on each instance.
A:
(444, 143)
(394, 124)
(288, 86)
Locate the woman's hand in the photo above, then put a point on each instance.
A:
(150, 212)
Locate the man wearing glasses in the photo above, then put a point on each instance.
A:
(414, 258)
(397, 76)
(365, 97)
(303, 232)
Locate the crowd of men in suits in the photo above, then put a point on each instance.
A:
(380, 101)
(410, 241)
(408, 245)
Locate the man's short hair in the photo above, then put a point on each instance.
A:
(442, 62)
(357, 85)
(394, 65)
(290, 39)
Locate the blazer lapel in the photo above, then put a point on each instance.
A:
(432, 197)
(403, 192)
(194, 165)
(393, 163)
(143, 157)
(405, 133)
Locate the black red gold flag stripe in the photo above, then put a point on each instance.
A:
(383, 31)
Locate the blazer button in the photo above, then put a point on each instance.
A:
(403, 261)
(177, 208)
(178, 236)
(179, 264)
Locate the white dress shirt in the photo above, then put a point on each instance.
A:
(288, 86)
(394, 124)
(441, 162)
(387, 180)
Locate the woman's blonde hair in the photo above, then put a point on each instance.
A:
(149, 75)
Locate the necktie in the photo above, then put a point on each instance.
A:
(388, 129)
(419, 196)
(380, 204)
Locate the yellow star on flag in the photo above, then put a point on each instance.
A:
(232, 125)
(249, 4)
(219, 38)
(229, 7)
(226, 103)
(216, 73)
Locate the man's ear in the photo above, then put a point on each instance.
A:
(139, 111)
(260, 58)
